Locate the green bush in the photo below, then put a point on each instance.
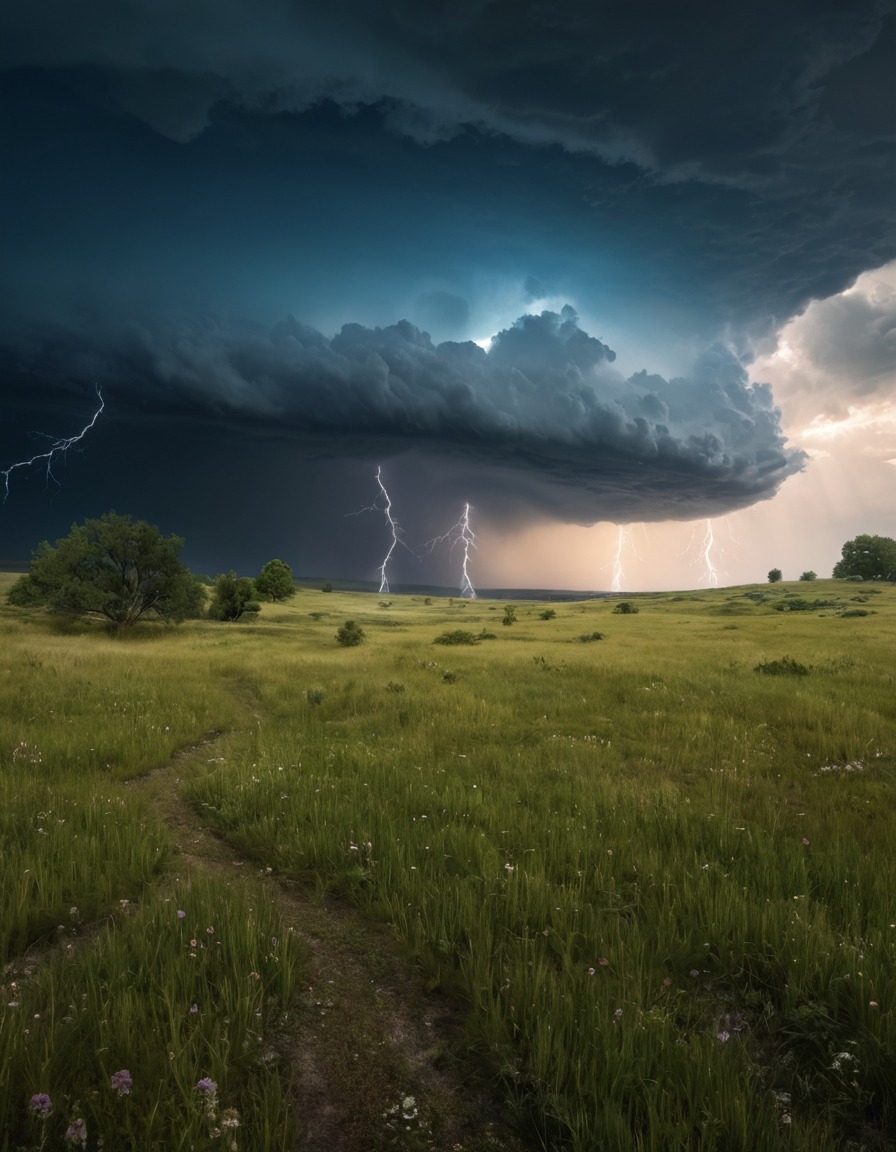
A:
(590, 637)
(233, 598)
(458, 636)
(786, 666)
(548, 614)
(623, 608)
(349, 634)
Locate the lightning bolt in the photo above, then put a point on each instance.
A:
(623, 537)
(712, 575)
(394, 527)
(460, 533)
(57, 450)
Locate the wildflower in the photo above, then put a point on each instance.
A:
(617, 1015)
(873, 1004)
(194, 1009)
(41, 1103)
(694, 973)
(209, 931)
(723, 1037)
(122, 1082)
(230, 1118)
(207, 1086)
(194, 944)
(591, 971)
(805, 842)
(76, 1133)
(603, 961)
(181, 915)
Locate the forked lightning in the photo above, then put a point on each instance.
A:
(57, 450)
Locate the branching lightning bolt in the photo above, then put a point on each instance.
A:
(623, 537)
(712, 575)
(56, 451)
(394, 527)
(705, 546)
(460, 533)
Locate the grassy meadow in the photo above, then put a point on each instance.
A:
(649, 853)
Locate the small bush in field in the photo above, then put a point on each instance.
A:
(349, 634)
(458, 636)
(786, 666)
(624, 608)
(548, 614)
(590, 637)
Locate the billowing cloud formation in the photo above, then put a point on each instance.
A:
(542, 413)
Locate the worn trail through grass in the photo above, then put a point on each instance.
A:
(375, 1057)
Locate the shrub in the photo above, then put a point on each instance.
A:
(855, 612)
(449, 677)
(548, 614)
(786, 666)
(809, 575)
(349, 634)
(314, 695)
(458, 636)
(326, 587)
(395, 686)
(233, 598)
(623, 608)
(509, 615)
(590, 637)
(775, 575)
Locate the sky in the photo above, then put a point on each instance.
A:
(620, 277)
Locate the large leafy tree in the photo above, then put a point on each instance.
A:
(275, 580)
(871, 557)
(115, 567)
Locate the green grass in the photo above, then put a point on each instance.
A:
(659, 882)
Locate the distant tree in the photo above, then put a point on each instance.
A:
(115, 567)
(275, 580)
(547, 614)
(349, 634)
(775, 575)
(623, 608)
(233, 597)
(509, 615)
(868, 557)
(327, 587)
(809, 575)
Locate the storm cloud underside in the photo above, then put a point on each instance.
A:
(542, 412)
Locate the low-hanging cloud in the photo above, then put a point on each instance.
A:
(542, 415)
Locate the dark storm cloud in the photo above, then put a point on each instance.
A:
(762, 137)
(542, 413)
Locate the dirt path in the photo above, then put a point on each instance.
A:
(378, 1059)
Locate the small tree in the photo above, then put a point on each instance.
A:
(809, 575)
(509, 615)
(775, 575)
(349, 634)
(326, 586)
(868, 557)
(233, 597)
(115, 567)
(276, 580)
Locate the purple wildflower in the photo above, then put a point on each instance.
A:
(76, 1133)
(207, 1086)
(121, 1082)
(181, 915)
(41, 1103)
(194, 1009)
(723, 1037)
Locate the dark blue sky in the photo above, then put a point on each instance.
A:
(197, 198)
